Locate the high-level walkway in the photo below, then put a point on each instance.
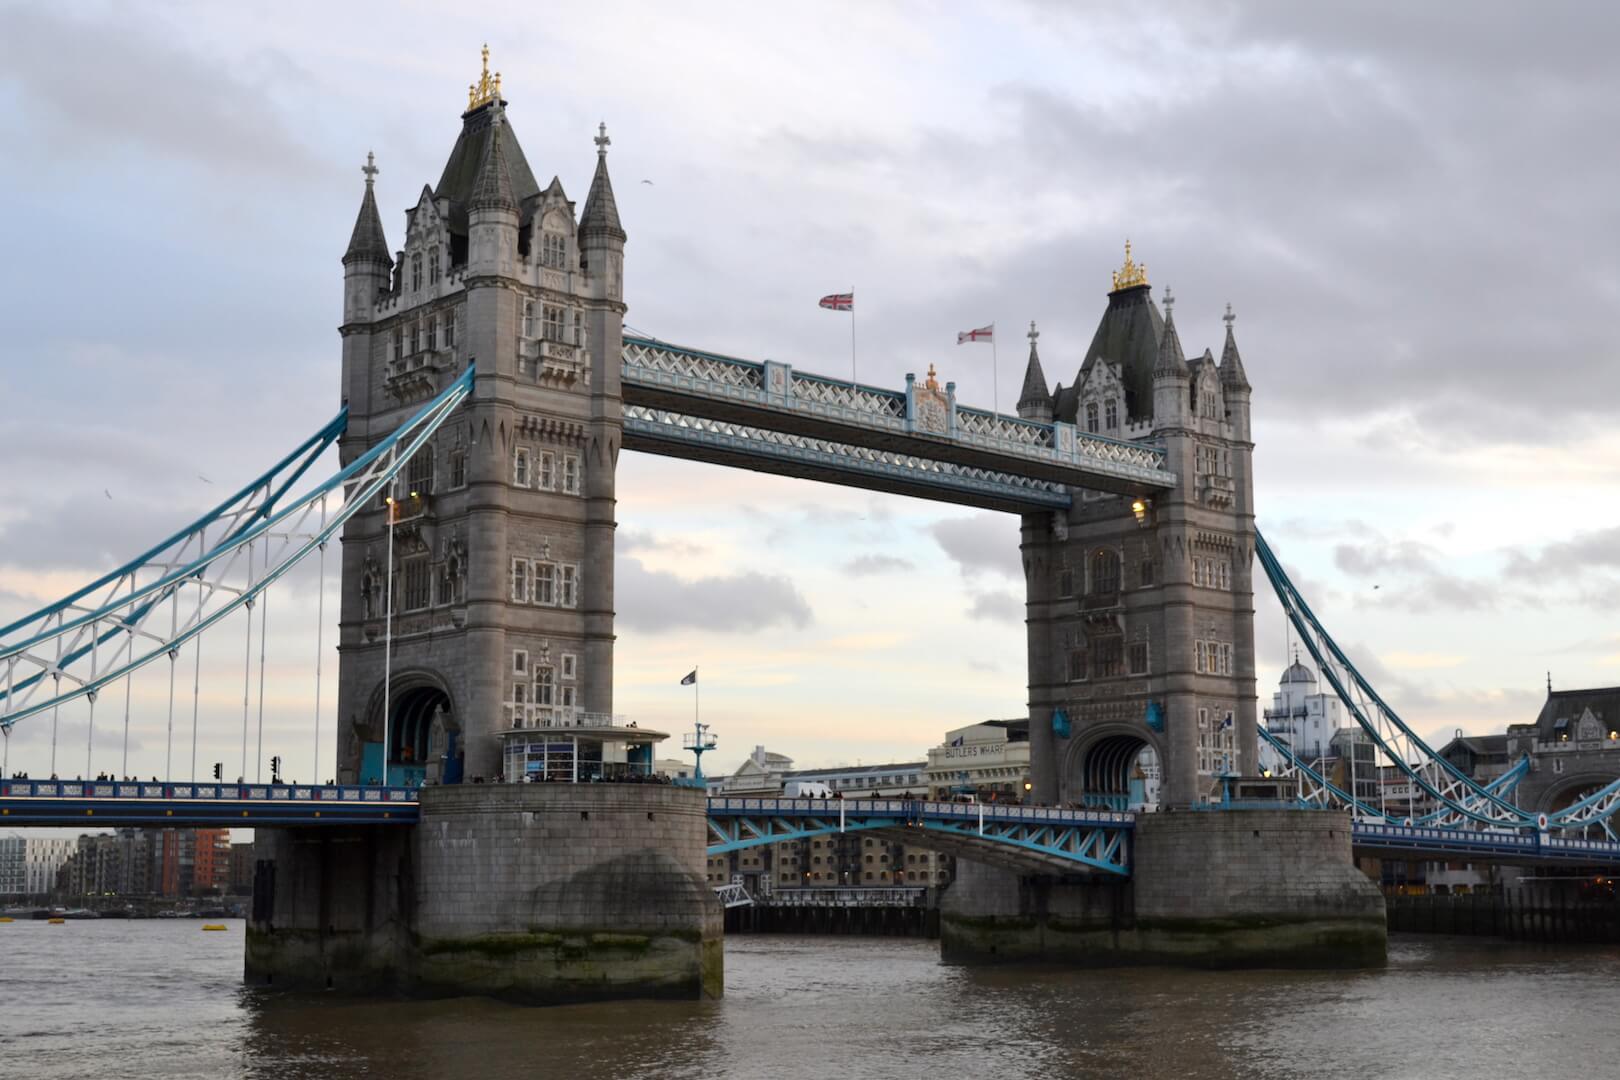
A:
(766, 416)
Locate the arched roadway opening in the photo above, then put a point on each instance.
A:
(1114, 767)
(423, 732)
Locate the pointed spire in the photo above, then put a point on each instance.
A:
(493, 188)
(1171, 360)
(601, 216)
(1034, 401)
(1232, 364)
(367, 241)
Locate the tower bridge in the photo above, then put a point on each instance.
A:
(487, 387)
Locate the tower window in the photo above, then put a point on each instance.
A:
(1065, 582)
(433, 266)
(520, 581)
(553, 322)
(579, 329)
(419, 474)
(433, 333)
(1147, 573)
(450, 330)
(1108, 657)
(570, 664)
(1104, 572)
(520, 661)
(567, 586)
(548, 471)
(399, 344)
(571, 473)
(529, 323)
(416, 271)
(417, 583)
(1091, 417)
(1136, 658)
(520, 467)
(458, 469)
(543, 685)
(1111, 414)
(545, 583)
(553, 250)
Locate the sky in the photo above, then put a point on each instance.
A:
(1410, 208)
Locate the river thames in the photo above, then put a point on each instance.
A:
(163, 999)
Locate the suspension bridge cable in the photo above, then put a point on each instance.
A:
(55, 711)
(247, 667)
(264, 637)
(320, 629)
(123, 769)
(90, 728)
(196, 684)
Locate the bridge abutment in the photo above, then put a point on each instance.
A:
(1227, 889)
(542, 893)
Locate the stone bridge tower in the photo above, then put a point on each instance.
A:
(1140, 612)
(502, 529)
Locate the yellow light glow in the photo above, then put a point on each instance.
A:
(389, 500)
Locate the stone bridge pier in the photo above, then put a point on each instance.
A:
(1228, 889)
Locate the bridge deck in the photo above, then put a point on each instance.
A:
(767, 416)
(90, 803)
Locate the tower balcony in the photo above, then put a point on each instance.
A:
(551, 359)
(1216, 490)
(416, 375)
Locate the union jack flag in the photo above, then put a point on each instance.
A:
(983, 333)
(839, 301)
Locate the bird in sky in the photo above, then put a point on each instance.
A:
(204, 479)
(648, 182)
(107, 493)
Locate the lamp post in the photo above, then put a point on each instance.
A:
(388, 630)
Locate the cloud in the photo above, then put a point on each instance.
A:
(982, 544)
(658, 601)
(874, 565)
(996, 607)
(1563, 560)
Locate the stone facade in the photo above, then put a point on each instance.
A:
(528, 892)
(502, 545)
(1240, 888)
(1140, 612)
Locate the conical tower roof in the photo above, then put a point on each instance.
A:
(493, 188)
(367, 241)
(1171, 361)
(601, 216)
(1231, 363)
(1035, 394)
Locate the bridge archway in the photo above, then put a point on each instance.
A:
(1113, 767)
(423, 730)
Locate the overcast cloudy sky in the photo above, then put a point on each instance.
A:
(1410, 206)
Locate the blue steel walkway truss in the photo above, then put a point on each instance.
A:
(1029, 838)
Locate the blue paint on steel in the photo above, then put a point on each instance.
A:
(1155, 716)
(1060, 723)
(160, 589)
(108, 803)
(1084, 837)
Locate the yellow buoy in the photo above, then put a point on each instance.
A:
(56, 922)
(213, 926)
(6, 918)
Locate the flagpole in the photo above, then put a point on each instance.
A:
(854, 377)
(995, 381)
(697, 696)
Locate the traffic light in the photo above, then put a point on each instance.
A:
(275, 767)
(218, 771)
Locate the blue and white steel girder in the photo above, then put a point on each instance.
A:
(769, 395)
(138, 803)
(766, 445)
(1454, 792)
(1483, 845)
(1093, 839)
(218, 564)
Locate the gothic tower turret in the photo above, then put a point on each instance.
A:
(1035, 400)
(501, 529)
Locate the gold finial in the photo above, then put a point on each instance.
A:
(1131, 274)
(487, 88)
(932, 383)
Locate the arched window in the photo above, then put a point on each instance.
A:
(416, 271)
(1104, 572)
(1091, 417)
(1111, 414)
(433, 266)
